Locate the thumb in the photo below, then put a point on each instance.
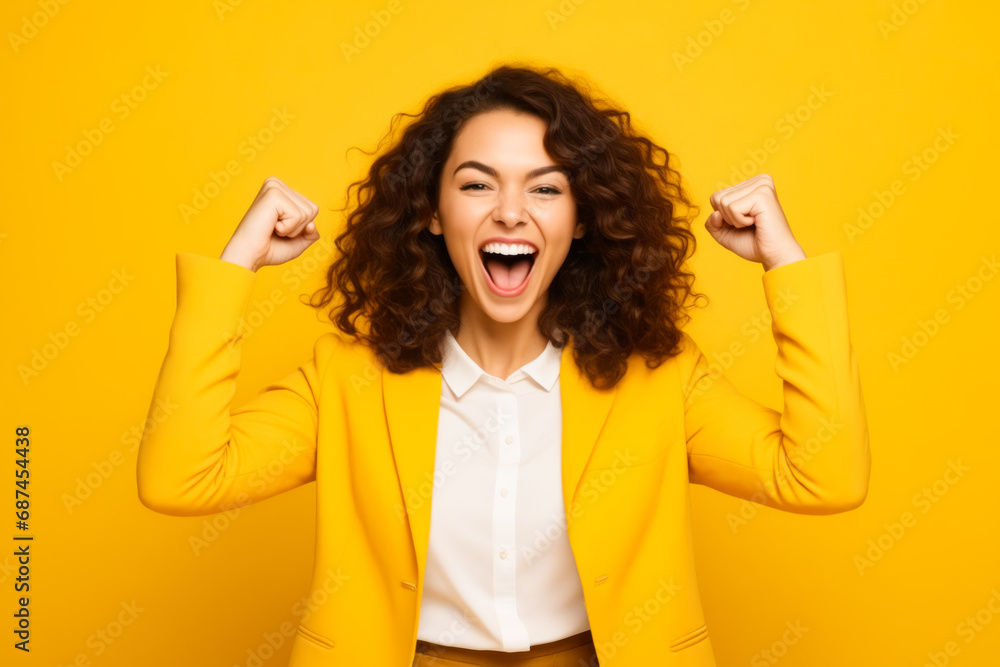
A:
(724, 233)
(714, 224)
(301, 243)
(290, 248)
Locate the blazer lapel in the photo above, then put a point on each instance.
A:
(584, 411)
(412, 402)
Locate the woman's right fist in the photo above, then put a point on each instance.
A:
(277, 228)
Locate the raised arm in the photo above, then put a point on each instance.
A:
(201, 455)
(813, 457)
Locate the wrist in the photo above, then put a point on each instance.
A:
(234, 258)
(786, 258)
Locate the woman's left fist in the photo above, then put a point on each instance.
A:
(748, 220)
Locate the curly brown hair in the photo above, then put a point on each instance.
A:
(622, 288)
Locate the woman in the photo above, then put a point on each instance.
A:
(507, 298)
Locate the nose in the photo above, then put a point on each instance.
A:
(511, 208)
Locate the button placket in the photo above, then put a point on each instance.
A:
(513, 631)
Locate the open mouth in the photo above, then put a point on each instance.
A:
(508, 272)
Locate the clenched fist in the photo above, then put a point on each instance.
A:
(748, 220)
(277, 228)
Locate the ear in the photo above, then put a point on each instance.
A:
(580, 229)
(434, 226)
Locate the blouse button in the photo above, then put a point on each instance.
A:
(503, 553)
(503, 492)
(509, 439)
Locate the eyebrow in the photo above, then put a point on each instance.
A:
(493, 172)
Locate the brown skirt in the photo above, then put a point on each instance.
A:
(575, 651)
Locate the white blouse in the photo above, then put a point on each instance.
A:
(500, 573)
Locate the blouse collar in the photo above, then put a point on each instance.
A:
(461, 372)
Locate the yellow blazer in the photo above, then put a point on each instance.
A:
(368, 438)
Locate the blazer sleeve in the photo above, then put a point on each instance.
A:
(198, 454)
(813, 457)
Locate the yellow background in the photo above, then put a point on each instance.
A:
(894, 75)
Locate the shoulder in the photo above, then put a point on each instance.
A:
(336, 346)
(342, 358)
(689, 360)
(678, 367)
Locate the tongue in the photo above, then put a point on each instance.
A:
(508, 277)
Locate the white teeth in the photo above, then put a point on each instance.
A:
(509, 248)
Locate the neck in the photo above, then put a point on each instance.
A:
(500, 348)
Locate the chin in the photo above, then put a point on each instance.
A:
(507, 312)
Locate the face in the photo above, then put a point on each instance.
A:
(506, 213)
